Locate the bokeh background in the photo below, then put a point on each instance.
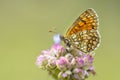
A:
(24, 26)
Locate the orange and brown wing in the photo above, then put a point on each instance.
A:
(83, 34)
(86, 21)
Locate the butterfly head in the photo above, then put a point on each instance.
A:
(58, 38)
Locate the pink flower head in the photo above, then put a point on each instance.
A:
(51, 63)
(90, 58)
(91, 69)
(45, 52)
(41, 61)
(58, 50)
(58, 47)
(78, 70)
(62, 63)
(64, 75)
(79, 62)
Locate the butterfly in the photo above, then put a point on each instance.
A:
(83, 34)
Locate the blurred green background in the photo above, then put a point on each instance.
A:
(24, 26)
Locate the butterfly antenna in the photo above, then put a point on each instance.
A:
(53, 31)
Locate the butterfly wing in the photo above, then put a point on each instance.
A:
(83, 34)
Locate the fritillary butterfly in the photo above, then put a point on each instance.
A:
(83, 34)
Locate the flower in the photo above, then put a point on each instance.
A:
(79, 62)
(51, 63)
(58, 48)
(45, 52)
(64, 64)
(41, 61)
